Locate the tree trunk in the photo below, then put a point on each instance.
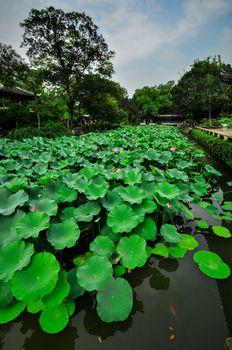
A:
(70, 115)
(37, 112)
(210, 116)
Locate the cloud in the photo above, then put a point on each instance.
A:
(226, 45)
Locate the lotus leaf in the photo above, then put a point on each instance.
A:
(147, 206)
(54, 319)
(187, 213)
(115, 300)
(64, 234)
(119, 270)
(86, 211)
(199, 188)
(96, 270)
(122, 218)
(147, 229)
(166, 190)
(111, 200)
(102, 246)
(188, 242)
(170, 233)
(59, 192)
(177, 252)
(211, 264)
(35, 306)
(9, 202)
(202, 224)
(221, 231)
(161, 249)
(76, 290)
(45, 205)
(14, 256)
(211, 170)
(32, 224)
(132, 194)
(107, 232)
(60, 291)
(6, 296)
(132, 177)
(7, 228)
(133, 251)
(227, 205)
(97, 188)
(11, 311)
(165, 157)
(36, 280)
(177, 174)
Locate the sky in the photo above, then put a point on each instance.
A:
(154, 40)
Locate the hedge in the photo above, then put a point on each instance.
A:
(221, 149)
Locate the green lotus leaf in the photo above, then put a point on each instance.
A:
(76, 290)
(54, 319)
(227, 205)
(86, 211)
(211, 264)
(70, 304)
(211, 209)
(11, 311)
(229, 183)
(45, 205)
(111, 200)
(147, 229)
(132, 194)
(161, 249)
(147, 206)
(199, 188)
(133, 251)
(32, 224)
(9, 202)
(7, 228)
(122, 218)
(59, 192)
(114, 300)
(177, 174)
(152, 154)
(40, 168)
(97, 188)
(13, 257)
(188, 242)
(221, 231)
(119, 270)
(211, 170)
(35, 306)
(202, 224)
(187, 213)
(170, 234)
(132, 177)
(16, 184)
(102, 246)
(36, 280)
(166, 190)
(107, 232)
(6, 296)
(95, 271)
(64, 234)
(177, 252)
(60, 291)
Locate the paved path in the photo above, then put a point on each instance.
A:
(223, 132)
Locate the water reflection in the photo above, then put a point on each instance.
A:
(159, 281)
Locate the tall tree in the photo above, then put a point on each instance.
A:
(67, 45)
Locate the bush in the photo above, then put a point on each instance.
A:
(221, 149)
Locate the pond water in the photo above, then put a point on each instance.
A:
(175, 307)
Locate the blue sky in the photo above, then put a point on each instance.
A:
(154, 40)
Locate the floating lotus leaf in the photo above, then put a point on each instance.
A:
(13, 257)
(111, 200)
(60, 291)
(76, 290)
(35, 306)
(161, 249)
(102, 246)
(166, 190)
(95, 271)
(122, 219)
(11, 311)
(9, 202)
(64, 234)
(6, 296)
(119, 270)
(97, 188)
(132, 177)
(211, 264)
(54, 319)
(177, 252)
(32, 224)
(7, 228)
(221, 231)
(132, 194)
(133, 251)
(45, 205)
(202, 224)
(170, 233)
(147, 229)
(36, 280)
(86, 211)
(188, 242)
(107, 232)
(115, 300)
(227, 205)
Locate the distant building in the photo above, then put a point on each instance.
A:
(15, 94)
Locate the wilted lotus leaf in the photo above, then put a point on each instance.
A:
(95, 271)
(211, 264)
(64, 234)
(133, 251)
(115, 300)
(161, 249)
(45, 205)
(86, 211)
(35, 306)
(37, 279)
(166, 190)
(122, 218)
(132, 177)
(7, 228)
(60, 291)
(107, 232)
(111, 200)
(11, 311)
(76, 290)
(132, 194)
(6, 296)
(170, 233)
(9, 202)
(102, 246)
(31, 224)
(202, 224)
(97, 188)
(147, 229)
(13, 257)
(54, 319)
(221, 231)
(188, 242)
(177, 252)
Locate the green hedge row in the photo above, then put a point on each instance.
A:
(221, 149)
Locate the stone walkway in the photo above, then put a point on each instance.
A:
(224, 133)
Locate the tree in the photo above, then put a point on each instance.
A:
(12, 67)
(67, 45)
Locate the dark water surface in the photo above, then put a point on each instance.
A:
(176, 307)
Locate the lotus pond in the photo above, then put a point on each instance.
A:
(91, 224)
